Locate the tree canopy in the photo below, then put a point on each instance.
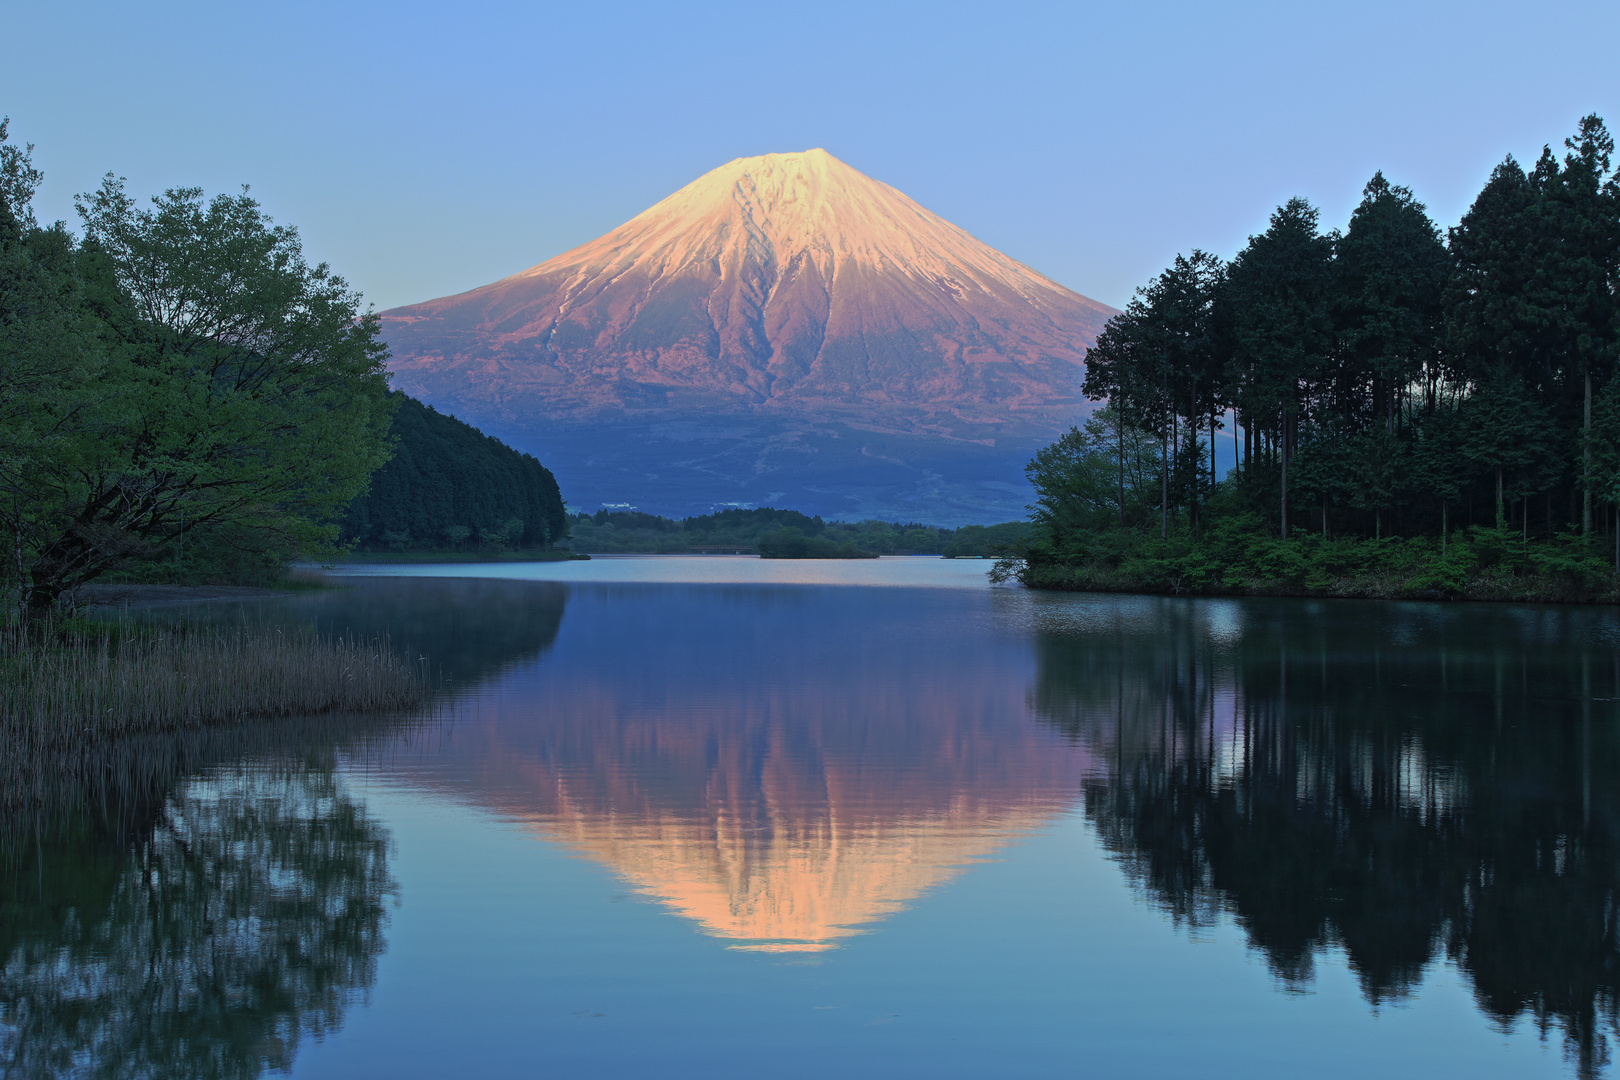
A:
(449, 486)
(178, 371)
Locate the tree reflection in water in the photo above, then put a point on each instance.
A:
(193, 905)
(200, 932)
(1402, 782)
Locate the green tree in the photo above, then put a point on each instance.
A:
(1390, 270)
(202, 378)
(1075, 478)
(1277, 296)
(1507, 432)
(1123, 368)
(1439, 465)
(1536, 268)
(1157, 364)
(448, 481)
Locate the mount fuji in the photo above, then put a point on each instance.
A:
(784, 330)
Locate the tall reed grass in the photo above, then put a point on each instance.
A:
(59, 689)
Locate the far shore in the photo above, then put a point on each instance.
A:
(427, 556)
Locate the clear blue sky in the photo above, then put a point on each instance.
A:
(423, 150)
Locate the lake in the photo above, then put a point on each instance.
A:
(714, 817)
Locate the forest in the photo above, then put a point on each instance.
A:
(780, 534)
(450, 487)
(1407, 412)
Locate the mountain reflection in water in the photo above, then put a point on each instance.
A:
(1402, 782)
(784, 767)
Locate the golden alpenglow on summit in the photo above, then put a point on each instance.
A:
(782, 324)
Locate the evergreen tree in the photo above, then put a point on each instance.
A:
(1390, 270)
(449, 485)
(1278, 293)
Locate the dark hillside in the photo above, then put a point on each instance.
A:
(449, 486)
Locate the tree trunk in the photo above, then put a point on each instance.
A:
(1164, 487)
(39, 599)
(1284, 451)
(1119, 429)
(1445, 528)
(1501, 510)
(1586, 457)
(1192, 447)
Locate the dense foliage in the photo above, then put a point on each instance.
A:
(1386, 382)
(177, 376)
(451, 487)
(780, 534)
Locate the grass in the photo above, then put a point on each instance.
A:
(1236, 558)
(85, 683)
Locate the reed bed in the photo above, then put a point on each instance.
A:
(58, 690)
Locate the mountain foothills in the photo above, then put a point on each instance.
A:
(782, 330)
(1421, 415)
(448, 486)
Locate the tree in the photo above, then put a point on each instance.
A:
(1581, 304)
(1536, 268)
(1439, 464)
(1074, 478)
(1507, 432)
(1157, 363)
(202, 378)
(1390, 271)
(1122, 369)
(1277, 294)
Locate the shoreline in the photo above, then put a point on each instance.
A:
(1487, 590)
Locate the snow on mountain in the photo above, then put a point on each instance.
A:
(785, 295)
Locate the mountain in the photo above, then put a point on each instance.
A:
(783, 329)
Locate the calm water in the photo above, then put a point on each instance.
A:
(724, 817)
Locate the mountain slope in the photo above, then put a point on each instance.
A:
(778, 301)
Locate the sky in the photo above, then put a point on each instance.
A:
(423, 150)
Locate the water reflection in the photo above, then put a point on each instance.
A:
(784, 768)
(1402, 783)
(155, 922)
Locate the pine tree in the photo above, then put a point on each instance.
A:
(1390, 271)
(1278, 293)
